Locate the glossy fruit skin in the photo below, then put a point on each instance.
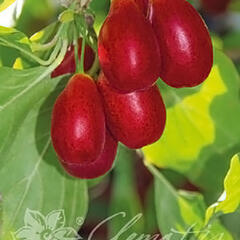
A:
(68, 64)
(215, 7)
(136, 119)
(143, 5)
(98, 167)
(184, 41)
(78, 122)
(128, 52)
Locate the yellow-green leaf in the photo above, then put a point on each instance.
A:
(185, 121)
(5, 4)
(6, 30)
(18, 64)
(230, 199)
(199, 121)
(180, 211)
(181, 214)
(66, 16)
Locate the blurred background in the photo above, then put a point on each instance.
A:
(223, 20)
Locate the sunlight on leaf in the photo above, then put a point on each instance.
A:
(24, 40)
(18, 64)
(217, 41)
(173, 210)
(5, 4)
(193, 115)
(45, 34)
(182, 213)
(6, 30)
(202, 130)
(37, 36)
(230, 199)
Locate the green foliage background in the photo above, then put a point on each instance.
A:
(201, 138)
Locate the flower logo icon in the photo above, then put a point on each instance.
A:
(40, 227)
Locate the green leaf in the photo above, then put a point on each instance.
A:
(8, 56)
(202, 128)
(180, 213)
(230, 199)
(66, 16)
(125, 202)
(15, 44)
(101, 9)
(5, 4)
(31, 176)
(150, 219)
(217, 42)
(214, 231)
(13, 38)
(1, 211)
(231, 40)
(18, 91)
(45, 34)
(231, 221)
(36, 16)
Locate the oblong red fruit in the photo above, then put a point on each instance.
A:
(136, 119)
(184, 41)
(215, 6)
(68, 64)
(127, 48)
(98, 167)
(78, 122)
(143, 5)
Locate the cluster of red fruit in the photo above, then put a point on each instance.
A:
(140, 41)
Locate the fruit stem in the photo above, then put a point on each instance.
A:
(95, 67)
(76, 46)
(82, 55)
(60, 56)
(43, 47)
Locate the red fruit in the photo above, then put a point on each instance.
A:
(215, 6)
(143, 5)
(68, 64)
(127, 48)
(78, 122)
(136, 119)
(97, 168)
(184, 41)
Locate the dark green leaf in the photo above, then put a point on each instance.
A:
(125, 202)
